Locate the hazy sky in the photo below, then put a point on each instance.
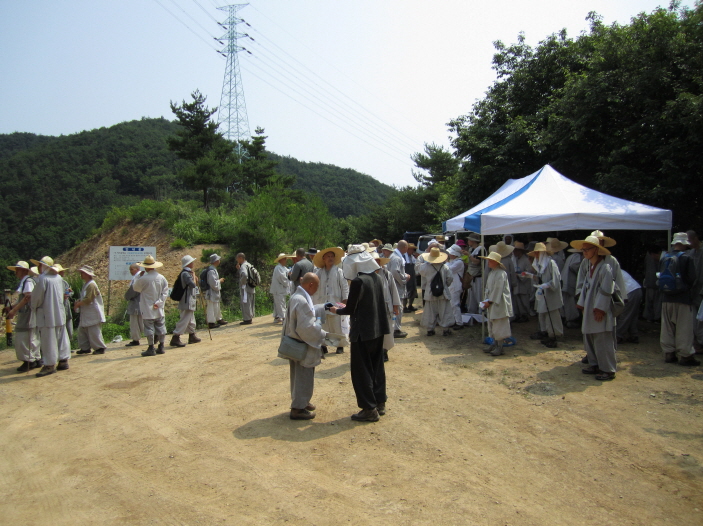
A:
(361, 83)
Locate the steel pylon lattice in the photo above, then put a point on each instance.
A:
(232, 113)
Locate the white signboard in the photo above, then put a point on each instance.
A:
(122, 257)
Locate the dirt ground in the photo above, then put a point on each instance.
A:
(201, 435)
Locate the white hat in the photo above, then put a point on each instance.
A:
(186, 260)
(214, 258)
(680, 237)
(358, 261)
(87, 269)
(454, 250)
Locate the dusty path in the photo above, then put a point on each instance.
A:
(201, 435)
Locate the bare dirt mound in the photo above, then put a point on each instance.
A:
(201, 435)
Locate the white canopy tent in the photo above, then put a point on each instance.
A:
(548, 201)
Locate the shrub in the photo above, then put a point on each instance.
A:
(179, 243)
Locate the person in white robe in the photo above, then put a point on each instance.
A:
(497, 303)
(213, 294)
(548, 299)
(136, 323)
(506, 252)
(595, 300)
(418, 263)
(280, 287)
(438, 309)
(26, 340)
(50, 317)
(247, 294)
(523, 283)
(456, 266)
(396, 266)
(392, 300)
(153, 288)
(186, 305)
(569, 276)
(411, 285)
(90, 305)
(606, 242)
(333, 287)
(476, 269)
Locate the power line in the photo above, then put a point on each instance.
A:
(209, 44)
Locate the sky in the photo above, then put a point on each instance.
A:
(361, 84)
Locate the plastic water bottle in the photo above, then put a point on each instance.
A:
(318, 322)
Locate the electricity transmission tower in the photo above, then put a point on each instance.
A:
(232, 115)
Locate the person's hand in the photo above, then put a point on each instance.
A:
(10, 314)
(579, 307)
(396, 310)
(237, 266)
(333, 310)
(407, 277)
(222, 280)
(155, 306)
(598, 315)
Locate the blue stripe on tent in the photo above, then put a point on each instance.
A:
(472, 223)
(444, 226)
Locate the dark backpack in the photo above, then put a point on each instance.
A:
(178, 290)
(670, 281)
(253, 277)
(437, 284)
(204, 286)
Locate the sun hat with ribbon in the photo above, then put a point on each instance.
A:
(436, 256)
(150, 262)
(46, 260)
(87, 269)
(281, 256)
(338, 255)
(494, 256)
(593, 241)
(554, 245)
(59, 268)
(502, 248)
(605, 240)
(20, 264)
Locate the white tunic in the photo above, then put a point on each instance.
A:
(597, 294)
(91, 313)
(498, 293)
(280, 284)
(153, 288)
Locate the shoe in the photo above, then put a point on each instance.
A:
(539, 335)
(83, 351)
(340, 350)
(457, 327)
(46, 371)
(366, 415)
(412, 309)
(192, 338)
(245, 322)
(385, 355)
(150, 351)
(160, 349)
(689, 361)
(549, 343)
(592, 369)
(584, 359)
(323, 348)
(310, 407)
(26, 366)
(604, 377)
(62, 365)
(509, 341)
(301, 414)
(399, 334)
(670, 357)
(406, 310)
(133, 343)
(572, 325)
(223, 322)
(99, 351)
(497, 351)
(447, 332)
(212, 325)
(176, 341)
(381, 408)
(634, 339)
(430, 333)
(490, 348)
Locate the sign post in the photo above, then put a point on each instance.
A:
(120, 260)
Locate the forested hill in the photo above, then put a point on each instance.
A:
(345, 191)
(55, 190)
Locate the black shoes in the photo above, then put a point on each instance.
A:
(301, 414)
(83, 351)
(245, 322)
(689, 361)
(150, 351)
(223, 322)
(340, 350)
(176, 341)
(367, 415)
(539, 335)
(160, 349)
(99, 351)
(133, 343)
(192, 338)
(399, 334)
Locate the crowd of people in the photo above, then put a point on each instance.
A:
(334, 298)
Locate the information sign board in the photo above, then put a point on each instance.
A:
(122, 257)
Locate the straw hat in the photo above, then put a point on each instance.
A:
(680, 237)
(575, 250)
(591, 240)
(436, 256)
(59, 268)
(387, 247)
(440, 238)
(34, 271)
(494, 256)
(555, 245)
(381, 261)
(539, 247)
(412, 245)
(46, 260)
(519, 245)
(150, 262)
(607, 241)
(20, 264)
(502, 248)
(280, 257)
(88, 270)
(338, 255)
(186, 260)
(376, 242)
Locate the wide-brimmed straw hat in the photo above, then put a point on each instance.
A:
(436, 256)
(494, 256)
(150, 262)
(607, 241)
(518, 245)
(59, 268)
(20, 264)
(591, 240)
(358, 261)
(412, 245)
(186, 260)
(380, 260)
(338, 255)
(46, 260)
(680, 237)
(282, 256)
(87, 269)
(34, 271)
(555, 245)
(376, 242)
(539, 247)
(502, 248)
(388, 247)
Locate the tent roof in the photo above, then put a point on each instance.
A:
(548, 201)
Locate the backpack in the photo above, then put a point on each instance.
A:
(437, 284)
(178, 290)
(670, 281)
(204, 286)
(253, 277)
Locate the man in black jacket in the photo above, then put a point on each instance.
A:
(366, 309)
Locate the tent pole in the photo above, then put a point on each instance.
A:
(483, 294)
(668, 240)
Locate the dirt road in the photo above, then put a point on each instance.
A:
(201, 435)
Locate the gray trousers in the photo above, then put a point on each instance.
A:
(27, 345)
(54, 344)
(521, 305)
(627, 321)
(279, 306)
(91, 337)
(676, 329)
(302, 383)
(398, 320)
(571, 313)
(155, 326)
(186, 323)
(554, 327)
(652, 305)
(136, 326)
(248, 307)
(213, 313)
(600, 348)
